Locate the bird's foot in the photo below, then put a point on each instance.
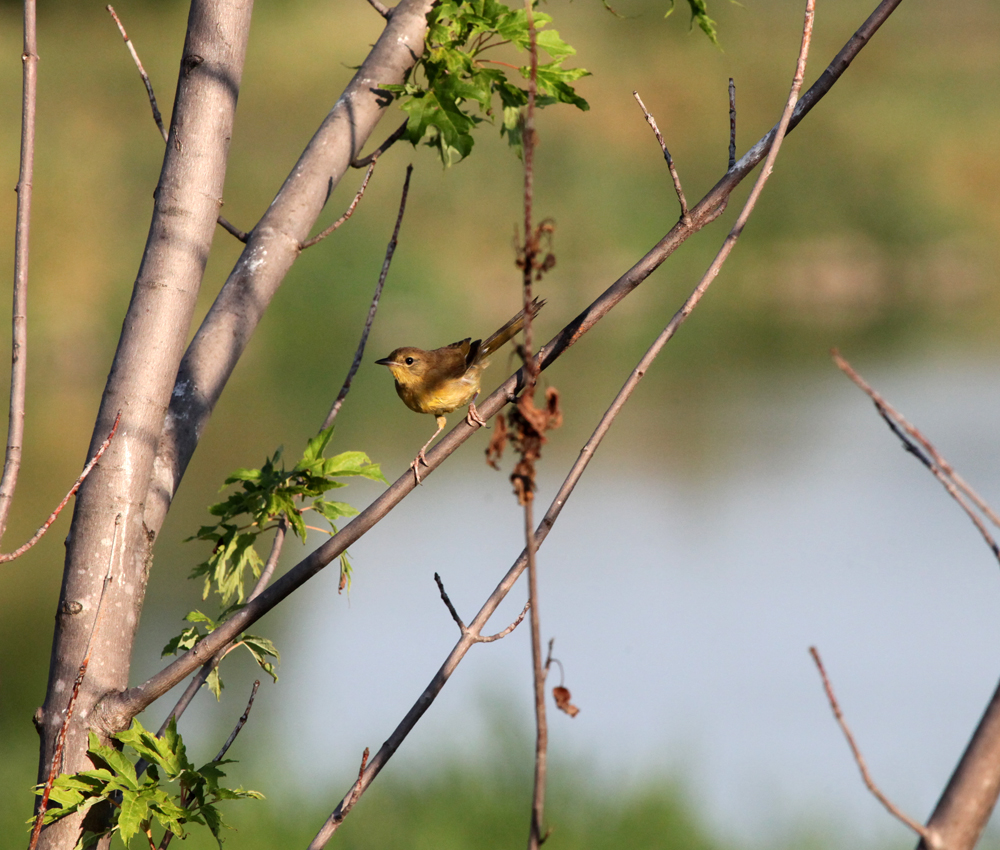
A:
(415, 466)
(473, 417)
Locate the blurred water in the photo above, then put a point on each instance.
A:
(683, 608)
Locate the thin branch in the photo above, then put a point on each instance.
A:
(239, 725)
(226, 225)
(732, 123)
(22, 243)
(397, 134)
(117, 708)
(75, 693)
(447, 601)
(670, 160)
(142, 72)
(350, 210)
(381, 8)
(890, 807)
(158, 118)
(389, 251)
(914, 441)
(4, 558)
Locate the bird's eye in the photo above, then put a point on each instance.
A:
(408, 361)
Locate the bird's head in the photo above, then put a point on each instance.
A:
(407, 365)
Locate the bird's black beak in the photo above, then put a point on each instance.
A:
(385, 361)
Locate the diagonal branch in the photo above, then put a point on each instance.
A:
(17, 553)
(922, 449)
(118, 708)
(359, 353)
(859, 759)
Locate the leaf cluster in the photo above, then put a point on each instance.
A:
(452, 86)
(264, 499)
(138, 802)
(269, 495)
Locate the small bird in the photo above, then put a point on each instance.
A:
(447, 378)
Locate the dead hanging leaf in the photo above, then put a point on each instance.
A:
(562, 697)
(498, 442)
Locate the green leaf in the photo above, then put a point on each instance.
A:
(133, 811)
(699, 15)
(262, 649)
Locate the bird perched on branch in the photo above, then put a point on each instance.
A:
(442, 380)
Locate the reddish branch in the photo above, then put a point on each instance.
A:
(894, 810)
(57, 756)
(72, 492)
(22, 241)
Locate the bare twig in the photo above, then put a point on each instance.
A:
(226, 225)
(732, 123)
(389, 251)
(240, 724)
(350, 210)
(381, 8)
(22, 243)
(921, 448)
(142, 72)
(685, 216)
(918, 828)
(475, 637)
(74, 694)
(396, 135)
(72, 492)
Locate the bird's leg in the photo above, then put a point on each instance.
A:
(473, 417)
(421, 458)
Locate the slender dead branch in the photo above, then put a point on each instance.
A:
(22, 244)
(74, 694)
(477, 638)
(859, 759)
(732, 123)
(670, 160)
(72, 492)
(389, 251)
(350, 210)
(142, 72)
(396, 135)
(118, 708)
(921, 448)
(240, 723)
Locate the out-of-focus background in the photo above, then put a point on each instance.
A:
(748, 503)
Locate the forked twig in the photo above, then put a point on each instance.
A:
(394, 137)
(389, 251)
(74, 694)
(921, 448)
(890, 807)
(465, 630)
(350, 210)
(685, 216)
(10, 556)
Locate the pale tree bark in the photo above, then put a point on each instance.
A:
(274, 244)
(108, 525)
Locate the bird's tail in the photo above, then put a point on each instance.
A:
(507, 332)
